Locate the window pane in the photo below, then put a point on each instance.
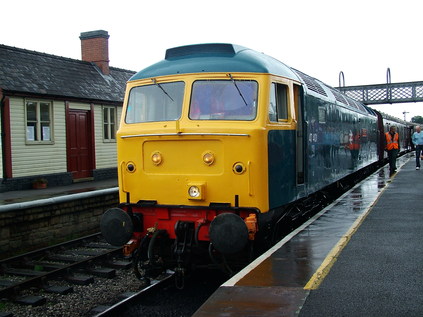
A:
(112, 131)
(105, 115)
(272, 107)
(31, 111)
(45, 111)
(223, 100)
(112, 115)
(160, 102)
(31, 132)
(45, 132)
(106, 131)
(282, 102)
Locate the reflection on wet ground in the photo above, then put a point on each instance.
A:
(297, 260)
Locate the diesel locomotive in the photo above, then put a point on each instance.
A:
(215, 145)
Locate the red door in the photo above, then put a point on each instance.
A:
(79, 143)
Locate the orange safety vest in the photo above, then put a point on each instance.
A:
(391, 144)
(355, 142)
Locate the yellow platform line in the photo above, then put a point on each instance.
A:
(333, 255)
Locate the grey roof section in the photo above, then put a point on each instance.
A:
(29, 72)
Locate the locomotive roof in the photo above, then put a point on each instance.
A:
(214, 58)
(228, 58)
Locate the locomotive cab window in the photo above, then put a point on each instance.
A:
(223, 100)
(278, 108)
(157, 102)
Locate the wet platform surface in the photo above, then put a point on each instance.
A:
(331, 266)
(19, 196)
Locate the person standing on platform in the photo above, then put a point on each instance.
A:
(392, 146)
(417, 139)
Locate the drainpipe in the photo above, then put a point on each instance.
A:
(2, 134)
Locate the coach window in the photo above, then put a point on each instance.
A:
(38, 121)
(109, 124)
(278, 109)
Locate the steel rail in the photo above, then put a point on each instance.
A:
(154, 286)
(41, 279)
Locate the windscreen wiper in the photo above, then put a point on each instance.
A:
(158, 85)
(237, 88)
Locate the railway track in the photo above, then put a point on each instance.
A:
(33, 283)
(131, 299)
(66, 260)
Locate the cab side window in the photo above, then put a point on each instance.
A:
(278, 108)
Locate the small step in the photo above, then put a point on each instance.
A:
(6, 314)
(31, 300)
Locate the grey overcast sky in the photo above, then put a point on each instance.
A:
(362, 38)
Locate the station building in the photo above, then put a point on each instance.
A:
(59, 116)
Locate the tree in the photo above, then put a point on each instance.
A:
(417, 119)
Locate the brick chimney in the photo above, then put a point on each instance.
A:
(95, 48)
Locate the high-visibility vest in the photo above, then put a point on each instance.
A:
(391, 144)
(355, 142)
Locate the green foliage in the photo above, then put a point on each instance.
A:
(417, 119)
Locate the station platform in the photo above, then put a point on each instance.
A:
(360, 256)
(19, 196)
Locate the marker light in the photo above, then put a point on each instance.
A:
(130, 167)
(156, 158)
(208, 158)
(238, 168)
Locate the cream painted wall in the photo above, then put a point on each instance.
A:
(35, 159)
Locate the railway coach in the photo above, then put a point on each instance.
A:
(216, 143)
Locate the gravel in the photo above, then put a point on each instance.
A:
(81, 301)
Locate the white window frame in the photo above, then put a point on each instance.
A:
(108, 125)
(37, 133)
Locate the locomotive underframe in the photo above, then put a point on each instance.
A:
(165, 237)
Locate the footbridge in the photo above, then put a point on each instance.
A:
(383, 93)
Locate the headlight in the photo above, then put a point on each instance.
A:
(194, 192)
(156, 157)
(208, 158)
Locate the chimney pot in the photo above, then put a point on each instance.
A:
(95, 48)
